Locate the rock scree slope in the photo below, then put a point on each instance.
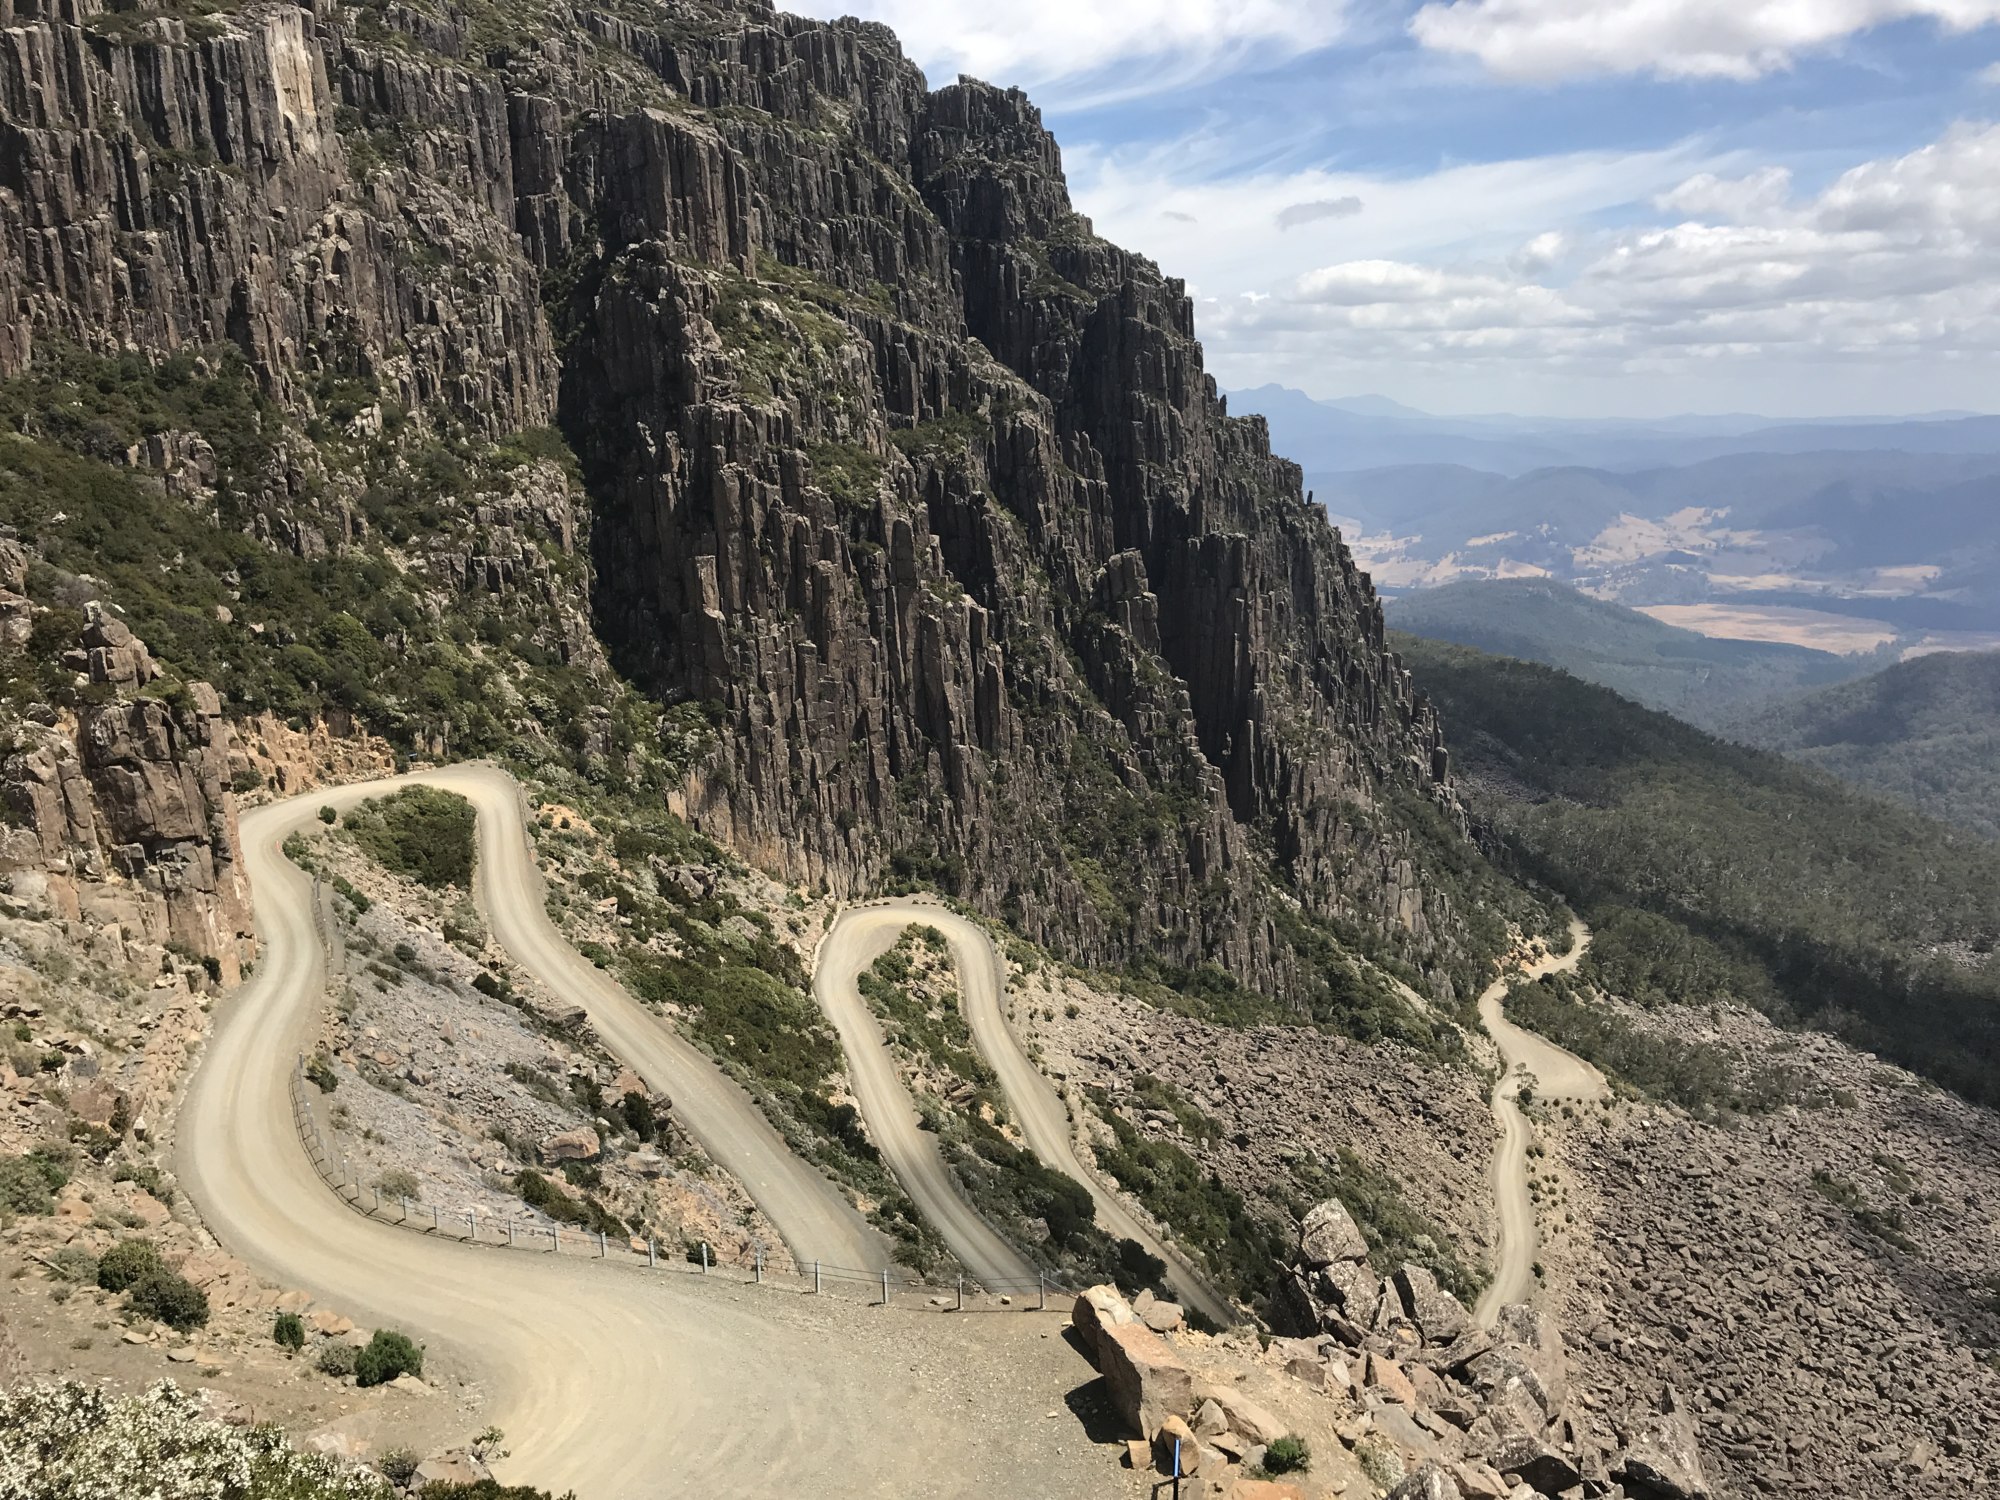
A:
(607, 1382)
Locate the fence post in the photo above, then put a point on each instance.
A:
(555, 1238)
(885, 1286)
(406, 1210)
(652, 1255)
(961, 1294)
(471, 1226)
(815, 1278)
(378, 1198)
(704, 1257)
(434, 1219)
(760, 1265)
(600, 1245)
(1041, 1291)
(510, 1232)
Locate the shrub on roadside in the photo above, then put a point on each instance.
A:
(289, 1332)
(125, 1263)
(398, 1466)
(337, 1359)
(388, 1355)
(421, 833)
(399, 1183)
(169, 1298)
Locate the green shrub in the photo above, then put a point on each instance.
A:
(338, 1360)
(328, 816)
(289, 1332)
(398, 1183)
(28, 1184)
(72, 1263)
(421, 833)
(125, 1263)
(398, 1466)
(388, 1355)
(169, 1298)
(1288, 1455)
(319, 1071)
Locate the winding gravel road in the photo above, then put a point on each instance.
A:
(1558, 1075)
(858, 937)
(619, 1384)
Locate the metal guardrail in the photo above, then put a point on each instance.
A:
(475, 1225)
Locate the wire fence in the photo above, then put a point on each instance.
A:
(476, 1224)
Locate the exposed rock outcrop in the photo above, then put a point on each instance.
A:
(914, 481)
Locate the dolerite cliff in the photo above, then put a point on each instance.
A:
(894, 466)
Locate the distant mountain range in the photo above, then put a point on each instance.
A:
(1845, 536)
(1374, 432)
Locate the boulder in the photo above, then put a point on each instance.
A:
(1387, 1376)
(1176, 1440)
(1264, 1489)
(1440, 1317)
(1428, 1481)
(1097, 1308)
(1548, 1470)
(1662, 1459)
(571, 1145)
(1242, 1414)
(1329, 1234)
(1164, 1317)
(1148, 1381)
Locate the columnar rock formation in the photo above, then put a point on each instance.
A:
(911, 479)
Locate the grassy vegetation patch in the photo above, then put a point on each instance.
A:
(1241, 1248)
(1701, 1077)
(421, 833)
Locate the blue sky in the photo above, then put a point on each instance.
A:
(1570, 207)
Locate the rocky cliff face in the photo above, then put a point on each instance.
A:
(913, 481)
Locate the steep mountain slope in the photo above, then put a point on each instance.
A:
(1693, 677)
(1713, 871)
(887, 464)
(1926, 732)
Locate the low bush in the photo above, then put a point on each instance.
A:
(399, 1183)
(169, 1298)
(319, 1072)
(28, 1184)
(125, 1263)
(421, 833)
(337, 1360)
(1288, 1455)
(289, 1332)
(398, 1466)
(388, 1355)
(75, 1442)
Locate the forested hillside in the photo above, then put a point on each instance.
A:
(1695, 677)
(1926, 732)
(1714, 871)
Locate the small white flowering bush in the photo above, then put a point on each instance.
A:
(76, 1442)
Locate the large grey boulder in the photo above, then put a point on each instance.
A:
(1662, 1459)
(1330, 1234)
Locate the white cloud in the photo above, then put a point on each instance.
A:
(1735, 199)
(1893, 267)
(1154, 44)
(1540, 40)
